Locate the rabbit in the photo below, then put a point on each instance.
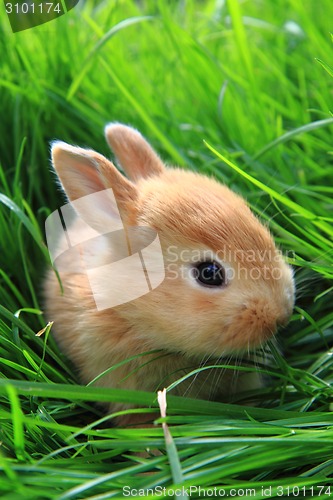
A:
(225, 288)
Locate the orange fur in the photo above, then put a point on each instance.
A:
(194, 216)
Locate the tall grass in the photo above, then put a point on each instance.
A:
(238, 90)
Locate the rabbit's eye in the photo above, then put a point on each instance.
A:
(209, 274)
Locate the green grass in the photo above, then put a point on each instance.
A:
(238, 90)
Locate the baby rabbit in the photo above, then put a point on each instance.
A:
(214, 284)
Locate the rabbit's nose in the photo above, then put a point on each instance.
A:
(262, 318)
(256, 323)
(283, 321)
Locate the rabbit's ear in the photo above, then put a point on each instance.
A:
(93, 184)
(133, 152)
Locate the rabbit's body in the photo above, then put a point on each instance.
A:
(191, 319)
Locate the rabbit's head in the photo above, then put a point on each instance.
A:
(226, 287)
